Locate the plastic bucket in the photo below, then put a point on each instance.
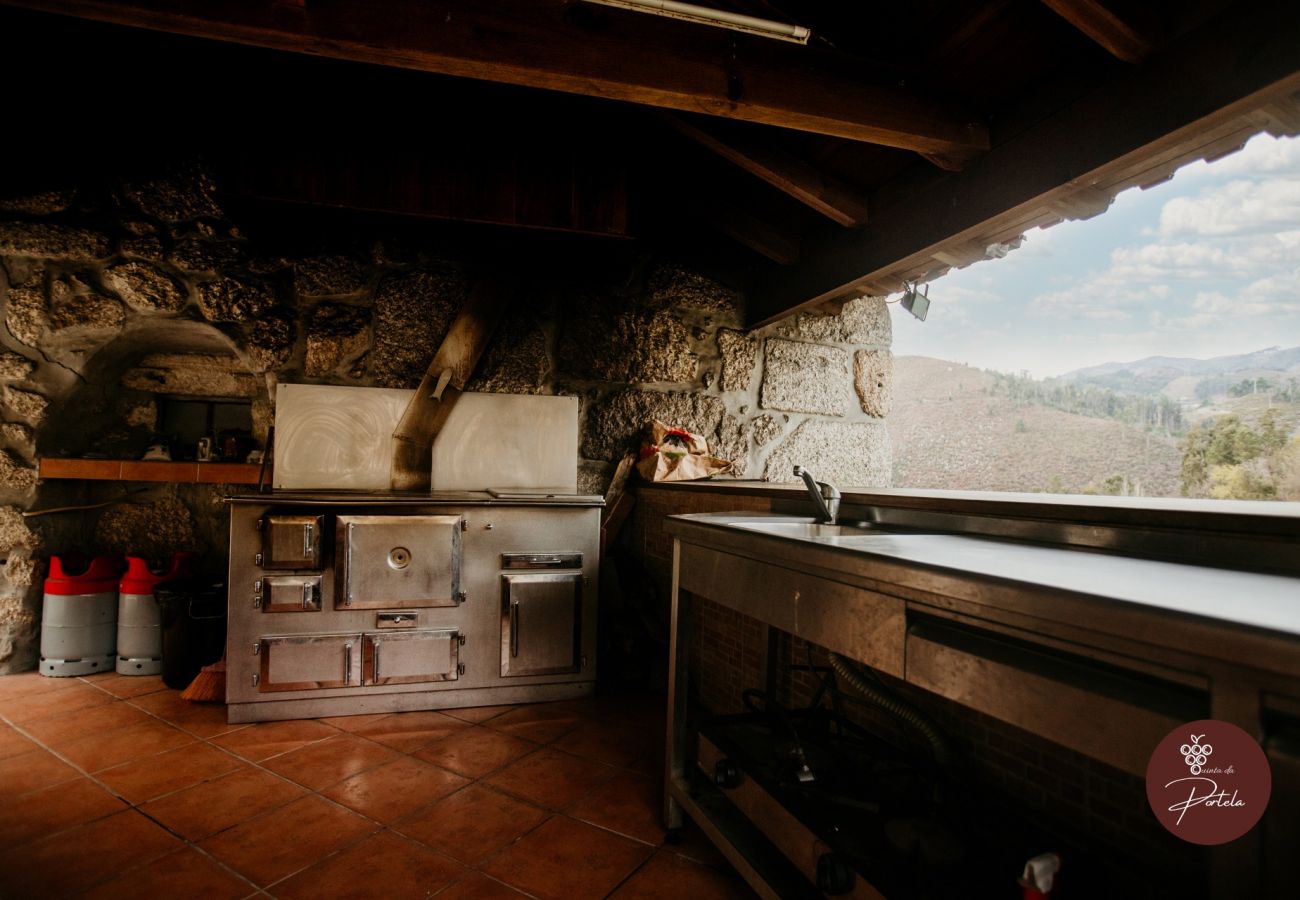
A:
(193, 616)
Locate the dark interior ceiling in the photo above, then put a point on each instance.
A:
(904, 139)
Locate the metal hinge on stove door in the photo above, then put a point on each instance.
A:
(460, 597)
(460, 639)
(257, 679)
(460, 668)
(257, 594)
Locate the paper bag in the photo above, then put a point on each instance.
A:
(675, 454)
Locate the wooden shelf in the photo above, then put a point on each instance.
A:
(148, 470)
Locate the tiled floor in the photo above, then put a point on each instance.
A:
(112, 786)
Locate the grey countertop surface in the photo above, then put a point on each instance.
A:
(1252, 599)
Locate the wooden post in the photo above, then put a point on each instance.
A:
(443, 383)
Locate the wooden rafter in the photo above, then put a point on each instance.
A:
(1120, 36)
(785, 172)
(760, 236)
(547, 44)
(1204, 93)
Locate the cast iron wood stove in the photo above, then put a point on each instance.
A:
(342, 604)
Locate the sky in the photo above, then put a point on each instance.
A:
(1206, 264)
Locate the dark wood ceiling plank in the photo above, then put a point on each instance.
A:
(1097, 19)
(1203, 89)
(785, 172)
(757, 235)
(539, 44)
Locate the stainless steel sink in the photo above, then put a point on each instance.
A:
(806, 530)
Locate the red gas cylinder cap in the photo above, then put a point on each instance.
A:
(102, 575)
(140, 579)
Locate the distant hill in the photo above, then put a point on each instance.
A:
(951, 429)
(1154, 373)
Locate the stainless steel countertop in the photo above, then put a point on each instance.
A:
(1251, 599)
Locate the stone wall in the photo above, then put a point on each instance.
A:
(114, 293)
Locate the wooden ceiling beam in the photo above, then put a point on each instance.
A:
(1120, 36)
(1210, 83)
(552, 44)
(759, 236)
(785, 172)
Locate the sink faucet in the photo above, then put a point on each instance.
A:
(826, 496)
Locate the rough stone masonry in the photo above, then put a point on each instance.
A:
(115, 294)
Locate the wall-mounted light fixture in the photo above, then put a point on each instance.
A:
(917, 301)
(704, 15)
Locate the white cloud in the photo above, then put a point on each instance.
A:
(1263, 155)
(1238, 207)
(1181, 260)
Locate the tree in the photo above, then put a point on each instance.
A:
(1227, 459)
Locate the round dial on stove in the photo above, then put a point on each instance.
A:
(399, 557)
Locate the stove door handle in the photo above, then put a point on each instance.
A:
(514, 627)
(347, 664)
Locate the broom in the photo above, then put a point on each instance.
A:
(209, 686)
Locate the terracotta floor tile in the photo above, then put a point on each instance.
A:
(319, 765)
(205, 720)
(281, 842)
(31, 707)
(32, 771)
(630, 804)
(615, 744)
(352, 723)
(124, 744)
(49, 811)
(409, 731)
(477, 714)
(185, 873)
(64, 864)
(25, 684)
(385, 866)
(669, 875)
(539, 722)
(477, 886)
(472, 824)
(396, 789)
(213, 806)
(267, 739)
(64, 728)
(124, 686)
(476, 751)
(144, 779)
(693, 844)
(12, 743)
(650, 763)
(551, 779)
(568, 860)
(643, 711)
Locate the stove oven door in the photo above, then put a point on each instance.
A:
(411, 657)
(541, 624)
(309, 662)
(398, 562)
